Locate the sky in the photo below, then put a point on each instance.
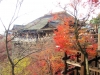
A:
(29, 11)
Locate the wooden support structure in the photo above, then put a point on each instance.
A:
(95, 69)
(79, 65)
(79, 62)
(73, 63)
(82, 69)
(66, 65)
(99, 40)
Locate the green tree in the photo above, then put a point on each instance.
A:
(19, 68)
(96, 22)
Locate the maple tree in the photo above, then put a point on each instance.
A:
(74, 36)
(67, 39)
(46, 62)
(95, 1)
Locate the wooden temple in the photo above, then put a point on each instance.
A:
(38, 28)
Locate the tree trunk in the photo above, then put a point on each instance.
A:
(13, 67)
(87, 65)
(8, 55)
(80, 47)
(49, 66)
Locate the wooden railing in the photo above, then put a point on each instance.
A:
(78, 65)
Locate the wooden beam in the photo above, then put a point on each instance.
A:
(75, 51)
(95, 69)
(73, 63)
(94, 59)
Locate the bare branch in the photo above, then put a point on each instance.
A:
(15, 15)
(1, 0)
(27, 56)
(3, 24)
(11, 39)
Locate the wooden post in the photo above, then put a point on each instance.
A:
(66, 65)
(82, 69)
(98, 66)
(96, 61)
(76, 71)
(98, 44)
(99, 40)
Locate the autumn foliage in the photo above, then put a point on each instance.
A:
(65, 38)
(62, 37)
(94, 1)
(3, 55)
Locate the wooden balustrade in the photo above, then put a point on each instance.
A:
(78, 66)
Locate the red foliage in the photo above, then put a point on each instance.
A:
(91, 50)
(65, 39)
(1, 37)
(94, 1)
(2, 46)
(3, 54)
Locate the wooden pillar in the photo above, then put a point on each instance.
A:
(46, 34)
(66, 65)
(82, 68)
(27, 35)
(76, 60)
(75, 72)
(96, 65)
(38, 36)
(99, 40)
(98, 45)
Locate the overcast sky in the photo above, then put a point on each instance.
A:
(29, 11)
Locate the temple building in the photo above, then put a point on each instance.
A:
(41, 27)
